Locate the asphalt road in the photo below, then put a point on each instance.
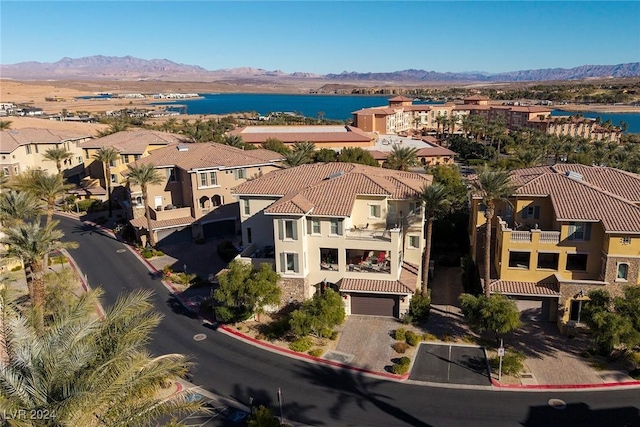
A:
(322, 396)
(453, 364)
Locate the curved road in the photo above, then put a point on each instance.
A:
(323, 396)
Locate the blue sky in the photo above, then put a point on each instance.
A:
(328, 36)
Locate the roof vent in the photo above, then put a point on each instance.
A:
(574, 175)
(335, 175)
(182, 147)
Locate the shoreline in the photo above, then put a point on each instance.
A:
(598, 108)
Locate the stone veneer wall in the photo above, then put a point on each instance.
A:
(293, 290)
(611, 270)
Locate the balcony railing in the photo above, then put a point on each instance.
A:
(170, 213)
(358, 234)
(550, 237)
(520, 236)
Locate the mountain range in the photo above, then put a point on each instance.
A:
(131, 68)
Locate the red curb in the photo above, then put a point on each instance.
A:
(309, 357)
(563, 386)
(83, 282)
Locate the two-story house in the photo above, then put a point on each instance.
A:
(131, 145)
(355, 228)
(22, 149)
(194, 200)
(569, 229)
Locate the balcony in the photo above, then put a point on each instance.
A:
(371, 234)
(528, 236)
(368, 261)
(169, 212)
(255, 255)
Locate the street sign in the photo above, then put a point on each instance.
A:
(501, 352)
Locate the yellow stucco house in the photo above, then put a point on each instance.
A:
(570, 229)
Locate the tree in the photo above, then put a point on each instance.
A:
(114, 127)
(47, 188)
(145, 175)
(401, 158)
(263, 417)
(357, 155)
(244, 291)
(306, 147)
(318, 315)
(5, 124)
(296, 158)
(32, 242)
(234, 141)
(276, 145)
(449, 176)
(325, 155)
(435, 199)
(107, 156)
(58, 155)
(89, 370)
(491, 186)
(495, 313)
(16, 207)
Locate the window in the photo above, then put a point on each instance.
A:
(5, 170)
(203, 179)
(114, 178)
(79, 159)
(626, 240)
(313, 226)
(204, 202)
(213, 178)
(245, 207)
(579, 231)
(249, 237)
(577, 262)
(575, 310)
(414, 242)
(216, 200)
(36, 147)
(548, 261)
(112, 163)
(623, 271)
(531, 212)
(336, 227)
(519, 259)
(374, 211)
(290, 230)
(125, 158)
(415, 207)
(289, 263)
(86, 153)
(28, 148)
(240, 173)
(136, 157)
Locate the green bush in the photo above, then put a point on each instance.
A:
(316, 352)
(17, 268)
(413, 339)
(406, 319)
(157, 253)
(226, 251)
(326, 333)
(400, 347)
(147, 253)
(419, 307)
(512, 362)
(88, 205)
(334, 335)
(429, 337)
(301, 344)
(400, 334)
(402, 366)
(277, 329)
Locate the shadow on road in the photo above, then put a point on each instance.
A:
(580, 414)
(84, 228)
(178, 308)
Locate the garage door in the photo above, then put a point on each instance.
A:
(173, 236)
(376, 305)
(214, 230)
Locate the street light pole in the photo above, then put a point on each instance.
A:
(280, 400)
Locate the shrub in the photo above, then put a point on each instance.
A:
(419, 307)
(17, 268)
(334, 335)
(157, 252)
(400, 347)
(406, 319)
(147, 253)
(277, 329)
(512, 362)
(316, 352)
(226, 251)
(87, 204)
(326, 333)
(400, 334)
(429, 337)
(402, 366)
(413, 339)
(301, 344)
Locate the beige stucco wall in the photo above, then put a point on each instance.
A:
(35, 160)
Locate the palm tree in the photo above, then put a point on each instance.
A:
(115, 127)
(32, 242)
(89, 370)
(57, 154)
(47, 188)
(527, 158)
(107, 156)
(296, 158)
(4, 180)
(435, 199)
(233, 140)
(491, 186)
(145, 175)
(401, 158)
(18, 206)
(305, 147)
(5, 124)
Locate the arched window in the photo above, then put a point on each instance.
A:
(216, 200)
(204, 202)
(623, 271)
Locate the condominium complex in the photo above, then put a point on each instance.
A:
(329, 136)
(569, 229)
(358, 229)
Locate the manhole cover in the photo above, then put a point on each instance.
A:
(199, 337)
(557, 404)
(120, 251)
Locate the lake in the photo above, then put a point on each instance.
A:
(336, 107)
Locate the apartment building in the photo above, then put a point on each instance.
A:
(21, 149)
(323, 136)
(569, 229)
(355, 228)
(194, 200)
(131, 145)
(575, 126)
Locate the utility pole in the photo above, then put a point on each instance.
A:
(280, 400)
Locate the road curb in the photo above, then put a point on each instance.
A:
(565, 387)
(83, 279)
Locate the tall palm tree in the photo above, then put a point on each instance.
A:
(58, 155)
(47, 188)
(491, 186)
(107, 155)
(401, 158)
(18, 206)
(296, 158)
(527, 158)
(306, 147)
(32, 242)
(88, 370)
(233, 140)
(145, 175)
(5, 124)
(435, 199)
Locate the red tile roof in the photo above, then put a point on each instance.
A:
(165, 223)
(507, 287)
(399, 98)
(291, 134)
(13, 138)
(135, 141)
(406, 285)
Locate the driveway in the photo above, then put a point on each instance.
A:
(451, 364)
